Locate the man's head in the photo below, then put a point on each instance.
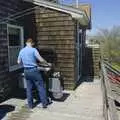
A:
(30, 42)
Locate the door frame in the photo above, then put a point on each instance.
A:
(79, 51)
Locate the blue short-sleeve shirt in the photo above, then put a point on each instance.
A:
(28, 56)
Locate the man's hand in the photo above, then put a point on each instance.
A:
(41, 59)
(18, 61)
(49, 64)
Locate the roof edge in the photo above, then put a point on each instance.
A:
(75, 13)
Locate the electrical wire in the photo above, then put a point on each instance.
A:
(28, 13)
(7, 8)
(18, 14)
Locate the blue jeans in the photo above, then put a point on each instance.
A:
(33, 77)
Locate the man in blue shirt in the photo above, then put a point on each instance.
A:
(29, 56)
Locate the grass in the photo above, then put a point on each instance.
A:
(116, 66)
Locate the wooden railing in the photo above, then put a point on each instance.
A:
(13, 55)
(110, 78)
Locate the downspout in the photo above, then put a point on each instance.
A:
(78, 50)
(78, 47)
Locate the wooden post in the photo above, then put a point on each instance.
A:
(77, 3)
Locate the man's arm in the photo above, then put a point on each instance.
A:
(19, 60)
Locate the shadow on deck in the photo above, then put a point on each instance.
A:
(4, 109)
(72, 106)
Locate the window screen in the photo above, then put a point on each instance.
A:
(14, 36)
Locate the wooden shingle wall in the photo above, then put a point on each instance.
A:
(7, 80)
(56, 30)
(96, 61)
(91, 62)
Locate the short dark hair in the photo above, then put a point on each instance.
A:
(29, 40)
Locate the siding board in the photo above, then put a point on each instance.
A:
(57, 30)
(7, 7)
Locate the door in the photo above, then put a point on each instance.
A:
(79, 53)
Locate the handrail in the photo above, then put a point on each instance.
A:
(109, 100)
(108, 65)
(114, 75)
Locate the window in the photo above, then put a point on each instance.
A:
(15, 40)
(80, 37)
(14, 36)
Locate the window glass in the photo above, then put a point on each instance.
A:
(14, 36)
(80, 37)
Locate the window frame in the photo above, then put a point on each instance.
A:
(15, 67)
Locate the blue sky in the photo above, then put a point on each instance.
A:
(105, 13)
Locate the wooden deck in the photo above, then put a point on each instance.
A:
(85, 103)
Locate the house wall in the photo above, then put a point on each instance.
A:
(91, 61)
(53, 29)
(8, 81)
(57, 31)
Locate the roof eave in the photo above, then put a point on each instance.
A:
(80, 16)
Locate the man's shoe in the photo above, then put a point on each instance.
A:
(28, 107)
(39, 105)
(44, 106)
(49, 101)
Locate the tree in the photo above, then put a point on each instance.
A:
(110, 43)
